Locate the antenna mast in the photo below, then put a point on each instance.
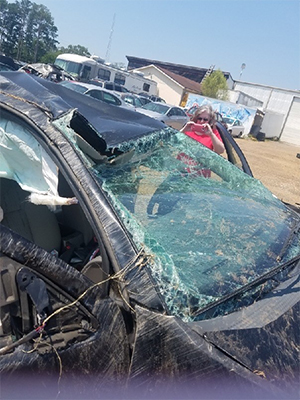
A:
(243, 66)
(110, 39)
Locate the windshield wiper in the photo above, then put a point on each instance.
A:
(256, 282)
(289, 239)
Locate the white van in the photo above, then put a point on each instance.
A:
(86, 69)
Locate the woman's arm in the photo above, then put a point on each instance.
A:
(218, 145)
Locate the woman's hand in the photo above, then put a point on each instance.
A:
(202, 129)
(189, 126)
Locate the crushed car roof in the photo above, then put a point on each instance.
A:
(114, 124)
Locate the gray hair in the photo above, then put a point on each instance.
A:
(208, 108)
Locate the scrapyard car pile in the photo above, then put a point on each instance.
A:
(135, 261)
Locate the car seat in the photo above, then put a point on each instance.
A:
(35, 223)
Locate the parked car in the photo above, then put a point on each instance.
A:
(97, 82)
(6, 67)
(132, 99)
(157, 99)
(129, 271)
(96, 92)
(170, 115)
(115, 86)
(47, 71)
(144, 100)
(8, 64)
(109, 85)
(235, 126)
(152, 97)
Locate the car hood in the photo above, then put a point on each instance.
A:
(257, 335)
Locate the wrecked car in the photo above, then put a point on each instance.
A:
(47, 71)
(135, 262)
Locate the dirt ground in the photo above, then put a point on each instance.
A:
(275, 164)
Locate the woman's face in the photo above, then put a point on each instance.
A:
(203, 118)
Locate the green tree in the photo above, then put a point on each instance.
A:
(22, 15)
(78, 49)
(44, 32)
(10, 28)
(27, 30)
(50, 57)
(118, 65)
(3, 18)
(75, 49)
(215, 86)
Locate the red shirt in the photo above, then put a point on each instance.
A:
(204, 139)
(193, 166)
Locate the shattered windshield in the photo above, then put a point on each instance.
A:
(209, 227)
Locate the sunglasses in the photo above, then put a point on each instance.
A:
(202, 119)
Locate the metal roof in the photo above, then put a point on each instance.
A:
(193, 73)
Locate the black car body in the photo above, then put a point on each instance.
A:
(8, 64)
(136, 263)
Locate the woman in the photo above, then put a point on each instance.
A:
(202, 128)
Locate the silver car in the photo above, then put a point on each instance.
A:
(96, 92)
(170, 115)
(132, 99)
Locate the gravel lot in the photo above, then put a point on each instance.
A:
(275, 164)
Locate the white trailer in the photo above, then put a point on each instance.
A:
(272, 124)
(85, 68)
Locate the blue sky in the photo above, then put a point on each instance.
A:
(263, 34)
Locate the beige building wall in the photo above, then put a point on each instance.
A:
(167, 88)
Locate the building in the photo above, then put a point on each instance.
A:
(173, 88)
(281, 108)
(174, 81)
(193, 73)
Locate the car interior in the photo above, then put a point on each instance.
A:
(26, 296)
(63, 231)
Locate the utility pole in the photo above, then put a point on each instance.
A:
(107, 55)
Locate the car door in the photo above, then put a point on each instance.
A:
(128, 99)
(233, 153)
(56, 312)
(182, 117)
(177, 118)
(96, 94)
(111, 99)
(172, 118)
